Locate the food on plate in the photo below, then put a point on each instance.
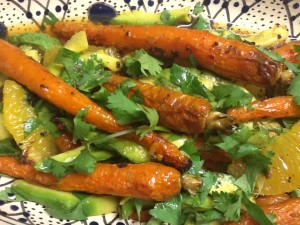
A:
(207, 132)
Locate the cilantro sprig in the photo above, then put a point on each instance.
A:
(141, 63)
(84, 163)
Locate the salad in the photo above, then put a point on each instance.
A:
(158, 122)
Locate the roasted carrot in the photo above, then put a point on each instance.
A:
(287, 213)
(287, 51)
(64, 142)
(229, 58)
(277, 107)
(147, 180)
(51, 88)
(177, 111)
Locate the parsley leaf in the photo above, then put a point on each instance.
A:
(140, 62)
(190, 148)
(231, 96)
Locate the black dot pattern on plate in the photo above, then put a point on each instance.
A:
(255, 14)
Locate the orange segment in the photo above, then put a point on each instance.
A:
(16, 110)
(285, 169)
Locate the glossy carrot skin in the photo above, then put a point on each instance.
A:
(177, 111)
(147, 180)
(16, 65)
(229, 58)
(287, 213)
(287, 51)
(277, 107)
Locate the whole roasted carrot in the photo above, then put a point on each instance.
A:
(176, 111)
(287, 51)
(147, 180)
(277, 107)
(16, 65)
(287, 213)
(229, 58)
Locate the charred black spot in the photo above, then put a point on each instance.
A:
(157, 51)
(127, 34)
(118, 64)
(43, 134)
(122, 164)
(72, 93)
(228, 49)
(174, 53)
(20, 143)
(289, 179)
(279, 36)
(42, 86)
(215, 44)
(188, 48)
(268, 71)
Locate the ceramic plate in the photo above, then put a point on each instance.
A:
(25, 15)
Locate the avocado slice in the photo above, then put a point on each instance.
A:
(64, 201)
(169, 17)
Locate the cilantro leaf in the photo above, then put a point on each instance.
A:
(152, 117)
(229, 204)
(231, 96)
(8, 147)
(187, 82)
(169, 211)
(190, 148)
(140, 62)
(81, 128)
(85, 163)
(198, 8)
(294, 89)
(30, 125)
(255, 211)
(273, 55)
(125, 110)
(209, 179)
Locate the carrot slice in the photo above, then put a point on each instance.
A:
(232, 59)
(51, 88)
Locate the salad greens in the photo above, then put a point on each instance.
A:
(207, 196)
